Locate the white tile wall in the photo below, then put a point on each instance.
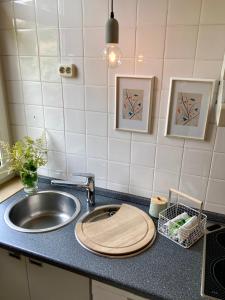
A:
(75, 163)
(27, 42)
(95, 98)
(99, 167)
(96, 123)
(46, 13)
(52, 94)
(97, 147)
(119, 173)
(119, 150)
(14, 91)
(70, 13)
(34, 116)
(56, 140)
(48, 42)
(32, 93)
(54, 118)
(71, 46)
(73, 96)
(194, 185)
(151, 41)
(212, 12)
(95, 12)
(74, 120)
(175, 38)
(48, 69)
(181, 41)
(75, 143)
(196, 162)
(93, 41)
(24, 14)
(29, 68)
(143, 154)
(137, 179)
(184, 12)
(152, 12)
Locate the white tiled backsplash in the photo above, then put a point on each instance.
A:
(183, 38)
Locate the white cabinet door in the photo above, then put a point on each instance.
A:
(13, 276)
(102, 291)
(106, 295)
(47, 282)
(134, 297)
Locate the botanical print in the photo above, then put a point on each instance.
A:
(132, 102)
(188, 109)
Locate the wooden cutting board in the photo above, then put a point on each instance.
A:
(128, 230)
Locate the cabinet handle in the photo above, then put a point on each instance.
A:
(34, 262)
(14, 255)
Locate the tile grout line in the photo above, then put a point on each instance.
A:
(39, 64)
(196, 48)
(157, 128)
(134, 68)
(108, 115)
(40, 81)
(62, 94)
(193, 72)
(84, 86)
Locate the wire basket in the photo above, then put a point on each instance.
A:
(185, 237)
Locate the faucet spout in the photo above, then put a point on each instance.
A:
(89, 185)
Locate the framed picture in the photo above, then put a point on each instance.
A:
(133, 103)
(220, 107)
(188, 107)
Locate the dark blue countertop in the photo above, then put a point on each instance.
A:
(164, 271)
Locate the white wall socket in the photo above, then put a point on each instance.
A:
(67, 70)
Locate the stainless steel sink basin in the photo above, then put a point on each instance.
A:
(44, 211)
(100, 213)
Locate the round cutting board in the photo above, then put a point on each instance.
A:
(127, 231)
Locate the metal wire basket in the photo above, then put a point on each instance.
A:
(185, 237)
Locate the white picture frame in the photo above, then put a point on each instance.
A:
(188, 107)
(133, 102)
(220, 107)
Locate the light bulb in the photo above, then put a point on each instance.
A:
(112, 55)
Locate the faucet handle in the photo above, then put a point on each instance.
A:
(90, 185)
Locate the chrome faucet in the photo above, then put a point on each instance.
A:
(89, 185)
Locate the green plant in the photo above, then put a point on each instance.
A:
(25, 155)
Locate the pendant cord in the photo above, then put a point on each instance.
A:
(112, 13)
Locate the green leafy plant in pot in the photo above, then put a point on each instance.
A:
(24, 158)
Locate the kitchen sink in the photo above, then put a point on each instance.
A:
(100, 213)
(44, 211)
